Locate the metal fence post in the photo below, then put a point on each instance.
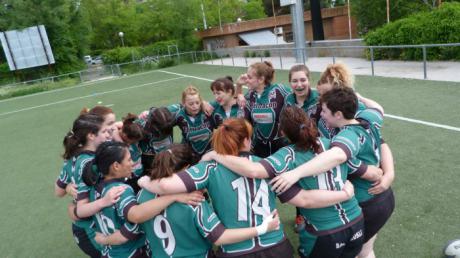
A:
(81, 78)
(424, 62)
(333, 59)
(212, 61)
(111, 69)
(246, 60)
(233, 59)
(118, 69)
(372, 60)
(202, 56)
(281, 60)
(221, 61)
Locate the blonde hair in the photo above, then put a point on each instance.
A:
(191, 90)
(338, 75)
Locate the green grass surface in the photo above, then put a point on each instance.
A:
(34, 222)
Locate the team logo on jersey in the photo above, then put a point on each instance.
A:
(263, 118)
(272, 95)
(357, 235)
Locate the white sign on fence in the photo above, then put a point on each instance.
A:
(287, 2)
(27, 48)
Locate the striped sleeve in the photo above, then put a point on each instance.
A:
(348, 141)
(207, 222)
(65, 175)
(196, 177)
(279, 162)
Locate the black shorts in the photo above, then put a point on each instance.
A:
(84, 242)
(283, 249)
(346, 243)
(376, 212)
(264, 149)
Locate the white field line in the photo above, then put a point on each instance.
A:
(78, 86)
(88, 96)
(386, 115)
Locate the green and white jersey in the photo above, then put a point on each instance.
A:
(136, 155)
(181, 230)
(219, 114)
(263, 111)
(152, 143)
(65, 176)
(196, 131)
(362, 141)
(113, 218)
(83, 190)
(321, 221)
(309, 105)
(326, 131)
(81, 160)
(239, 202)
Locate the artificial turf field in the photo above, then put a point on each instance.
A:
(34, 222)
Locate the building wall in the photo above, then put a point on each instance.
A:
(335, 24)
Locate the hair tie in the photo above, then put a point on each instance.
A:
(170, 151)
(302, 126)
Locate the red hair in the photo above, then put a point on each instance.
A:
(229, 137)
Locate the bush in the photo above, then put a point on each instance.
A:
(267, 53)
(166, 63)
(247, 54)
(254, 54)
(436, 27)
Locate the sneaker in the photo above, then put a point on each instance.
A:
(299, 224)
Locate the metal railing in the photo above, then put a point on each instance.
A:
(228, 57)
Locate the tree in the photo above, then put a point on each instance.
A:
(65, 23)
(371, 14)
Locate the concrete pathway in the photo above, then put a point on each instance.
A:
(438, 71)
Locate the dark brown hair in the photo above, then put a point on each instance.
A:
(172, 160)
(223, 84)
(132, 130)
(341, 99)
(76, 139)
(299, 129)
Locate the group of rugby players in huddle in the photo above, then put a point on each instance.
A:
(138, 194)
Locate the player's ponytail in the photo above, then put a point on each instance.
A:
(338, 75)
(76, 138)
(131, 130)
(172, 160)
(229, 137)
(299, 129)
(106, 154)
(159, 122)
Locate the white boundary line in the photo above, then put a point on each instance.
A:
(112, 78)
(88, 96)
(386, 115)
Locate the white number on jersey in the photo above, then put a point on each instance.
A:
(163, 231)
(260, 206)
(106, 224)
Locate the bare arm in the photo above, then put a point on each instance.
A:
(312, 199)
(85, 208)
(58, 191)
(145, 211)
(370, 103)
(113, 239)
(168, 185)
(320, 164)
(388, 177)
(236, 235)
(240, 165)
(372, 173)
